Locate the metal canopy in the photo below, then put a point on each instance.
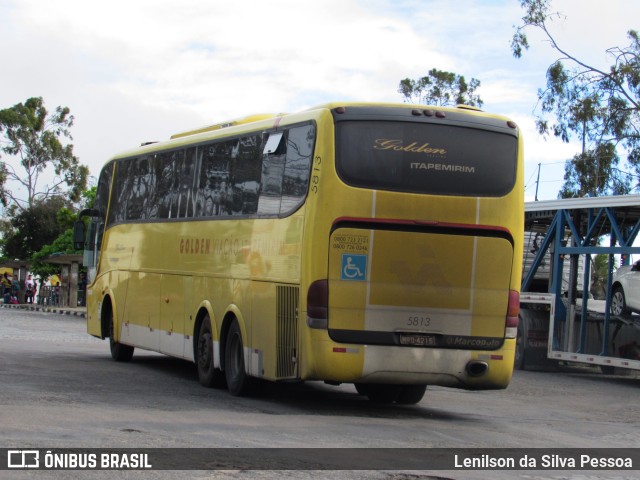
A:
(581, 226)
(578, 226)
(588, 218)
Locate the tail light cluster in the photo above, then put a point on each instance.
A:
(513, 310)
(318, 304)
(318, 308)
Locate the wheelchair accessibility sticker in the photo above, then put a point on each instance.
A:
(354, 267)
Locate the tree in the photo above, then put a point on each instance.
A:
(599, 275)
(62, 244)
(37, 226)
(598, 106)
(440, 88)
(34, 137)
(583, 177)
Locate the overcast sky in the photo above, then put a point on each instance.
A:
(139, 70)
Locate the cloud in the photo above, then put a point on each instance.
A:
(206, 55)
(125, 67)
(134, 71)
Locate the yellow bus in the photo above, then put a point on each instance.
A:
(373, 244)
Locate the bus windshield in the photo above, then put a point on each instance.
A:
(419, 157)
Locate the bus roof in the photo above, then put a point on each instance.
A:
(229, 123)
(267, 120)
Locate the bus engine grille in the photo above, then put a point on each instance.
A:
(286, 334)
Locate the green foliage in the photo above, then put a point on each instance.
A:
(595, 173)
(34, 137)
(29, 231)
(33, 141)
(599, 276)
(89, 197)
(63, 244)
(65, 217)
(440, 88)
(537, 13)
(4, 198)
(599, 107)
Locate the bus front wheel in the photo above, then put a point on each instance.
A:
(119, 352)
(208, 374)
(238, 382)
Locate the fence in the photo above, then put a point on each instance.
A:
(54, 296)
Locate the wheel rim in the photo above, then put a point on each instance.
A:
(616, 303)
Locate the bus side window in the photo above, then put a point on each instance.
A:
(297, 169)
(119, 196)
(213, 184)
(245, 173)
(142, 184)
(273, 162)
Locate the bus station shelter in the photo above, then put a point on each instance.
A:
(20, 269)
(69, 277)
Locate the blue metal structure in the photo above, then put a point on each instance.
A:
(573, 228)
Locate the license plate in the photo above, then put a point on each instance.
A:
(417, 340)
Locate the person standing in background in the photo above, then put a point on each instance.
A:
(30, 289)
(5, 288)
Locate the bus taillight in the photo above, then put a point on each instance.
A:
(513, 310)
(318, 304)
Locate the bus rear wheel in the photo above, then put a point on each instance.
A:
(383, 393)
(119, 352)
(411, 394)
(238, 382)
(521, 339)
(400, 394)
(361, 388)
(208, 374)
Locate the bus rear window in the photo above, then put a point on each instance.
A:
(426, 158)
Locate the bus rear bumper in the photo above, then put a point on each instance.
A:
(467, 369)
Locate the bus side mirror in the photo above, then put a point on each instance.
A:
(78, 235)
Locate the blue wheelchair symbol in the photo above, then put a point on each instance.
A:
(354, 267)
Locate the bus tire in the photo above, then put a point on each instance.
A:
(411, 394)
(608, 369)
(119, 352)
(208, 375)
(238, 382)
(383, 393)
(361, 388)
(521, 339)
